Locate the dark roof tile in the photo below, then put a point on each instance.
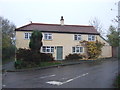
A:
(58, 28)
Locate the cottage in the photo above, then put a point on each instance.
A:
(60, 39)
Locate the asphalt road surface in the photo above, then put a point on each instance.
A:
(87, 75)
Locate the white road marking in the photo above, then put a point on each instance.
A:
(60, 83)
(48, 76)
(74, 78)
(3, 85)
(55, 83)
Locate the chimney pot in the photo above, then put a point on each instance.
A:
(62, 21)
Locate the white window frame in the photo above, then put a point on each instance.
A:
(79, 37)
(48, 49)
(91, 37)
(79, 49)
(48, 37)
(28, 35)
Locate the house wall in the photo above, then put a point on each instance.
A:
(62, 39)
(106, 50)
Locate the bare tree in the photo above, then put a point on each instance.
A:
(97, 25)
(7, 27)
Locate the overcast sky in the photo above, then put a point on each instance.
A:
(75, 12)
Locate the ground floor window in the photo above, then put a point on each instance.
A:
(48, 49)
(77, 49)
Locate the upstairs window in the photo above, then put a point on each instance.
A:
(47, 36)
(27, 35)
(77, 37)
(91, 37)
(48, 49)
(77, 49)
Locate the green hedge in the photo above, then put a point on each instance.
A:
(8, 52)
(27, 58)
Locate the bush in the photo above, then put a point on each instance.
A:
(8, 52)
(24, 55)
(73, 56)
(18, 64)
(28, 58)
(46, 57)
(94, 49)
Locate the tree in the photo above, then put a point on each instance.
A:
(97, 25)
(7, 27)
(8, 49)
(113, 36)
(36, 41)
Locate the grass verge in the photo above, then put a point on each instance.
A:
(26, 65)
(43, 64)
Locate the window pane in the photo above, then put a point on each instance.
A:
(73, 49)
(45, 36)
(48, 50)
(26, 35)
(44, 49)
(89, 37)
(29, 35)
(81, 49)
(77, 49)
(79, 37)
(93, 38)
(75, 37)
(52, 49)
(49, 37)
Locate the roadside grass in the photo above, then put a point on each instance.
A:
(117, 82)
(43, 64)
(33, 65)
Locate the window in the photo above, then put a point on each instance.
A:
(48, 49)
(27, 35)
(77, 37)
(91, 37)
(48, 36)
(77, 49)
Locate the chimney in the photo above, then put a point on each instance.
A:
(62, 21)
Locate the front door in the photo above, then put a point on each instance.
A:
(59, 52)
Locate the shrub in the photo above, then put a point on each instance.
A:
(46, 57)
(73, 56)
(18, 64)
(8, 52)
(94, 49)
(36, 41)
(27, 58)
(24, 55)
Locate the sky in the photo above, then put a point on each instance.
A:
(75, 12)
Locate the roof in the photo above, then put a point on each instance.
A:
(58, 28)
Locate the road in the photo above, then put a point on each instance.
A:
(87, 75)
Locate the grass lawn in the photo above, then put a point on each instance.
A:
(33, 65)
(43, 64)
